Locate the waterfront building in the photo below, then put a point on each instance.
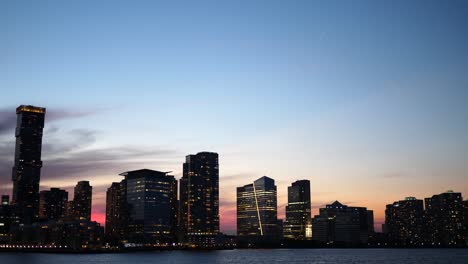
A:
(342, 224)
(82, 201)
(444, 219)
(404, 221)
(199, 200)
(26, 171)
(151, 199)
(298, 210)
(257, 211)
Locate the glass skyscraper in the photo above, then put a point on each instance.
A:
(257, 210)
(298, 210)
(151, 199)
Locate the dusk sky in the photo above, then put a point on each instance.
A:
(366, 99)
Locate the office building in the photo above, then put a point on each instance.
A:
(151, 197)
(257, 211)
(298, 210)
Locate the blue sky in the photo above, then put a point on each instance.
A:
(364, 98)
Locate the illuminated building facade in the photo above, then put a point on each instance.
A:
(52, 204)
(404, 221)
(257, 211)
(342, 224)
(82, 201)
(151, 198)
(26, 171)
(298, 210)
(444, 219)
(199, 199)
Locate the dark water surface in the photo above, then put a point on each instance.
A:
(245, 256)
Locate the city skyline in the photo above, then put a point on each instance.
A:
(366, 100)
(148, 210)
(98, 214)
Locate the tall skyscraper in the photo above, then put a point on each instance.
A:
(338, 223)
(257, 211)
(52, 204)
(26, 172)
(298, 210)
(444, 219)
(199, 199)
(151, 198)
(116, 213)
(82, 201)
(404, 221)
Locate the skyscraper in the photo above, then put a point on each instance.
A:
(116, 213)
(52, 204)
(298, 210)
(257, 211)
(151, 198)
(444, 219)
(199, 199)
(26, 172)
(339, 223)
(82, 201)
(404, 221)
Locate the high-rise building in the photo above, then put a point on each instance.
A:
(52, 204)
(116, 213)
(151, 198)
(404, 221)
(298, 210)
(199, 199)
(26, 172)
(257, 211)
(338, 223)
(82, 201)
(444, 219)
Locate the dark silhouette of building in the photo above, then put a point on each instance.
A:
(298, 210)
(199, 200)
(342, 224)
(116, 213)
(26, 172)
(151, 199)
(52, 204)
(5, 219)
(404, 222)
(444, 219)
(257, 219)
(82, 201)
